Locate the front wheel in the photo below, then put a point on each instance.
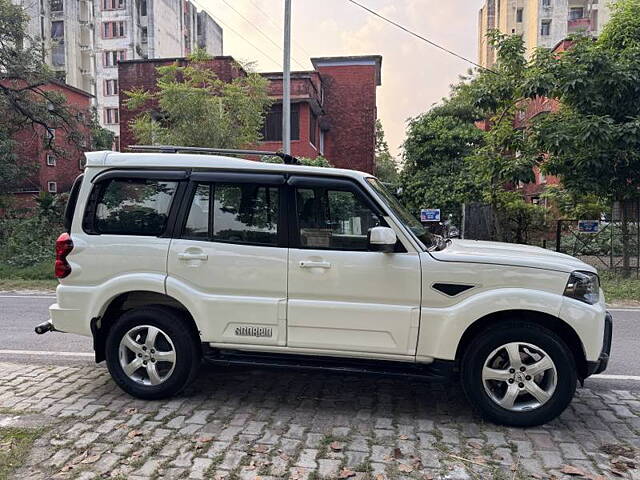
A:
(152, 353)
(519, 374)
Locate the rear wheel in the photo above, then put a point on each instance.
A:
(152, 353)
(519, 374)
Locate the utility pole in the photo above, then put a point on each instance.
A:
(286, 81)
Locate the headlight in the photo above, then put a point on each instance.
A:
(583, 286)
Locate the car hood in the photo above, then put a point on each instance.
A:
(497, 253)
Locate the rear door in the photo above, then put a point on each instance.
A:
(228, 260)
(343, 297)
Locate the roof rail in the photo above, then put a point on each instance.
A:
(288, 159)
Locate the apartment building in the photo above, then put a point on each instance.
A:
(333, 106)
(542, 23)
(85, 39)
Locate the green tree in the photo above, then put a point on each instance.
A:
(193, 107)
(593, 140)
(436, 173)
(24, 103)
(385, 166)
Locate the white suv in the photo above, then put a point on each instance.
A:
(170, 258)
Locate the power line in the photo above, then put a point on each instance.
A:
(434, 44)
(272, 22)
(259, 30)
(234, 31)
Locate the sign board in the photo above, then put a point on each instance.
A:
(588, 226)
(430, 215)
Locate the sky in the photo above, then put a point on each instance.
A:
(415, 75)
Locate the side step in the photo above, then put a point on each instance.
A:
(438, 370)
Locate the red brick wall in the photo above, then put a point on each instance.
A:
(143, 74)
(31, 150)
(350, 104)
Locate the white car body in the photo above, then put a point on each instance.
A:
(316, 302)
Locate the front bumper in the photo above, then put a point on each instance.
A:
(600, 365)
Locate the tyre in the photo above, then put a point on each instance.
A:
(519, 374)
(152, 353)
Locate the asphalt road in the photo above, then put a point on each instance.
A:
(19, 314)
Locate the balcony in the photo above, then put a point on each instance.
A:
(579, 25)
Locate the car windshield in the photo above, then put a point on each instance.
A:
(427, 239)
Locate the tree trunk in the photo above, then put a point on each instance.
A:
(626, 254)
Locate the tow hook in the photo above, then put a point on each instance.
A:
(44, 327)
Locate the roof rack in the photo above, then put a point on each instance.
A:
(288, 159)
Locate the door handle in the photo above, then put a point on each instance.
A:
(309, 264)
(193, 256)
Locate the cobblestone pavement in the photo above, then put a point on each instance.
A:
(265, 424)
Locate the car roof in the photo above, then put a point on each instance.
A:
(108, 159)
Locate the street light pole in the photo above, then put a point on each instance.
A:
(286, 81)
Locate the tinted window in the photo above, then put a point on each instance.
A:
(333, 219)
(134, 207)
(239, 213)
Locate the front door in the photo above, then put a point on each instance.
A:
(342, 296)
(229, 264)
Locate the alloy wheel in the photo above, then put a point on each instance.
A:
(519, 376)
(147, 355)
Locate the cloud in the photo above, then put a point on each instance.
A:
(414, 74)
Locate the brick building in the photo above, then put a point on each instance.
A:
(55, 169)
(333, 111)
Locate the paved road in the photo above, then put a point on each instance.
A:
(19, 314)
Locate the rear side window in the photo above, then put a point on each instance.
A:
(132, 206)
(234, 213)
(71, 203)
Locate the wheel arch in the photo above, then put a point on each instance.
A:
(555, 324)
(126, 301)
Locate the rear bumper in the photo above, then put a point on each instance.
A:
(600, 365)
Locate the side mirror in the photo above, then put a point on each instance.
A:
(382, 239)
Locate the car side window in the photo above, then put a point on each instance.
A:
(132, 206)
(234, 213)
(333, 219)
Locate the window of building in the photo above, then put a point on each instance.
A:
(244, 213)
(333, 219)
(519, 15)
(57, 30)
(112, 57)
(111, 86)
(111, 116)
(127, 206)
(545, 29)
(144, 35)
(51, 160)
(313, 129)
(143, 8)
(52, 187)
(113, 29)
(576, 13)
(546, 3)
(113, 4)
(272, 128)
(56, 5)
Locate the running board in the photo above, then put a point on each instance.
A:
(437, 370)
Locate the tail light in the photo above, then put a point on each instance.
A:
(64, 245)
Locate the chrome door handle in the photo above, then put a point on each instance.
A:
(308, 264)
(193, 256)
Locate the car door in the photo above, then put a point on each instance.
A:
(229, 263)
(341, 296)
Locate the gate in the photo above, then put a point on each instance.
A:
(615, 246)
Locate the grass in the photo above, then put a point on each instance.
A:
(34, 277)
(619, 289)
(15, 444)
